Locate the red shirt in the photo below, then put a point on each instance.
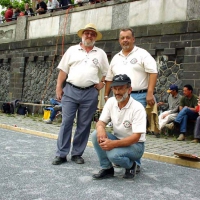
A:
(8, 15)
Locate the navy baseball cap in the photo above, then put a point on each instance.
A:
(121, 79)
(172, 87)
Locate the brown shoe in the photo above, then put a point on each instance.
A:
(181, 137)
(196, 140)
(170, 126)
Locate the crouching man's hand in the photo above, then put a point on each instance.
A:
(107, 144)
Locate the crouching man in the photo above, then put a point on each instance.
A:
(126, 144)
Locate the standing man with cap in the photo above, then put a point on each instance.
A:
(173, 107)
(139, 65)
(126, 144)
(81, 65)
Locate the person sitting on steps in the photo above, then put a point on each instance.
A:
(57, 107)
(173, 107)
(197, 125)
(187, 112)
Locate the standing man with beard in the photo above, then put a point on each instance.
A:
(139, 65)
(81, 65)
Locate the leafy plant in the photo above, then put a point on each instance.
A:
(15, 4)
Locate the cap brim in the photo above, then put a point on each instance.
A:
(118, 84)
(168, 91)
(80, 33)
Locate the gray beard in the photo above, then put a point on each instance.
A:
(123, 97)
(88, 44)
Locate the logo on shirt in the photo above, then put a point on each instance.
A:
(95, 61)
(133, 61)
(127, 124)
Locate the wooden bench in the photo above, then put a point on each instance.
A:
(34, 107)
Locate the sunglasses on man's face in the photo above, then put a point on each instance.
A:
(87, 33)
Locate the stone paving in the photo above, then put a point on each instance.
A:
(162, 146)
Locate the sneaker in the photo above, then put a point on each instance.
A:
(109, 125)
(196, 140)
(77, 159)
(130, 173)
(48, 121)
(57, 107)
(170, 125)
(59, 160)
(104, 173)
(181, 137)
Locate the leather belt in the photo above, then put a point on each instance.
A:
(81, 88)
(139, 91)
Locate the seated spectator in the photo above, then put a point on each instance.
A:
(28, 11)
(187, 111)
(16, 14)
(94, 1)
(197, 125)
(52, 4)
(8, 14)
(41, 7)
(81, 2)
(57, 107)
(64, 4)
(173, 107)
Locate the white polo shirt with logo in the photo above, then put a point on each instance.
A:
(127, 121)
(83, 68)
(138, 64)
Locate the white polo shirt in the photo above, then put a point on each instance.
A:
(83, 68)
(127, 121)
(138, 64)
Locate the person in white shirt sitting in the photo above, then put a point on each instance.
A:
(52, 4)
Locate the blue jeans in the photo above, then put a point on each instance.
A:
(54, 102)
(183, 117)
(123, 156)
(140, 97)
(54, 112)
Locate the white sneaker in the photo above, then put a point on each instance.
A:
(109, 125)
(48, 121)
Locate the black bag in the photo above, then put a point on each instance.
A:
(8, 108)
(21, 110)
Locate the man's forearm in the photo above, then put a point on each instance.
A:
(152, 82)
(107, 88)
(61, 78)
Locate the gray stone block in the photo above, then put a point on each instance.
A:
(192, 51)
(194, 26)
(163, 45)
(120, 16)
(180, 44)
(168, 51)
(170, 38)
(189, 59)
(21, 28)
(193, 9)
(174, 28)
(191, 75)
(191, 67)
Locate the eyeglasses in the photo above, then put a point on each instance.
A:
(93, 34)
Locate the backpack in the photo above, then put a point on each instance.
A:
(8, 108)
(22, 110)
